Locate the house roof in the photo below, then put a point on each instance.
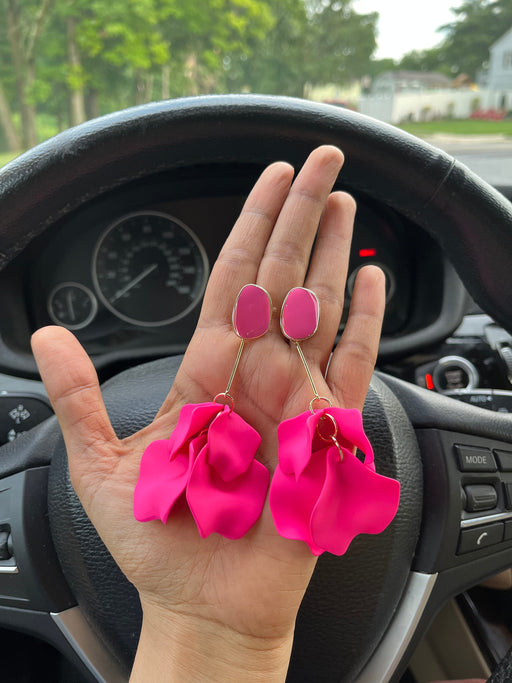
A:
(501, 38)
(425, 77)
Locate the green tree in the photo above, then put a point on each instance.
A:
(379, 66)
(25, 20)
(312, 42)
(9, 134)
(209, 39)
(478, 24)
(125, 36)
(433, 59)
(74, 59)
(341, 41)
(277, 66)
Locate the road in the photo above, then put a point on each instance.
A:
(488, 156)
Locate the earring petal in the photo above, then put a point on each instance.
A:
(232, 445)
(227, 508)
(163, 481)
(324, 495)
(292, 500)
(211, 461)
(354, 500)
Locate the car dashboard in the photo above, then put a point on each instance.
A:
(127, 272)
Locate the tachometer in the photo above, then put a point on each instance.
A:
(149, 268)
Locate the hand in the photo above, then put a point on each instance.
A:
(205, 601)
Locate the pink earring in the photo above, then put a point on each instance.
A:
(210, 455)
(321, 493)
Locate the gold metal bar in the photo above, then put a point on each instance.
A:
(235, 366)
(304, 362)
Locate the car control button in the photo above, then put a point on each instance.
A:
(504, 459)
(5, 545)
(480, 497)
(508, 495)
(480, 399)
(508, 530)
(454, 372)
(473, 459)
(480, 537)
(18, 414)
(502, 401)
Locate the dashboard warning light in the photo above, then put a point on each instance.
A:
(367, 253)
(429, 381)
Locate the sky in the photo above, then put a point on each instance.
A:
(406, 25)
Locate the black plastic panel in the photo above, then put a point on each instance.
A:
(452, 536)
(39, 583)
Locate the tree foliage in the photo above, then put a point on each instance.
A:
(23, 25)
(68, 60)
(341, 41)
(466, 40)
(427, 60)
(478, 24)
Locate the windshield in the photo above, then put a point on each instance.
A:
(437, 69)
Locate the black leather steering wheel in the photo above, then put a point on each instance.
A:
(363, 612)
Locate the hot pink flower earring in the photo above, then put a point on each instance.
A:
(210, 456)
(321, 493)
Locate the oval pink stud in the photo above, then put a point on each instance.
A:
(300, 314)
(252, 312)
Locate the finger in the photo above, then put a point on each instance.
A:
(353, 361)
(328, 272)
(239, 259)
(286, 257)
(72, 385)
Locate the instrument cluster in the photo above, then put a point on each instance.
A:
(128, 277)
(148, 269)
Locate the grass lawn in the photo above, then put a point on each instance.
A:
(459, 127)
(7, 156)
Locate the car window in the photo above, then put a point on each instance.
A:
(440, 70)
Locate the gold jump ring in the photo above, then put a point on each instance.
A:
(228, 397)
(319, 398)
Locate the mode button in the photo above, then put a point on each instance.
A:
(473, 459)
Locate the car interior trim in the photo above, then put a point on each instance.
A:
(393, 646)
(105, 669)
(454, 393)
(452, 313)
(12, 569)
(90, 650)
(10, 384)
(485, 519)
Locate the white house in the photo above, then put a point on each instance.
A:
(499, 76)
(408, 96)
(391, 82)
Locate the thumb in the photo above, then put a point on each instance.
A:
(73, 388)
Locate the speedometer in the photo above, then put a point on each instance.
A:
(149, 268)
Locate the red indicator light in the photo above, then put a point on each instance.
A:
(429, 381)
(365, 253)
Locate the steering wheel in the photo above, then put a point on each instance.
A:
(364, 612)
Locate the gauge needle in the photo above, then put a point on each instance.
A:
(134, 282)
(71, 309)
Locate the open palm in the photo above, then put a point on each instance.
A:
(252, 586)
